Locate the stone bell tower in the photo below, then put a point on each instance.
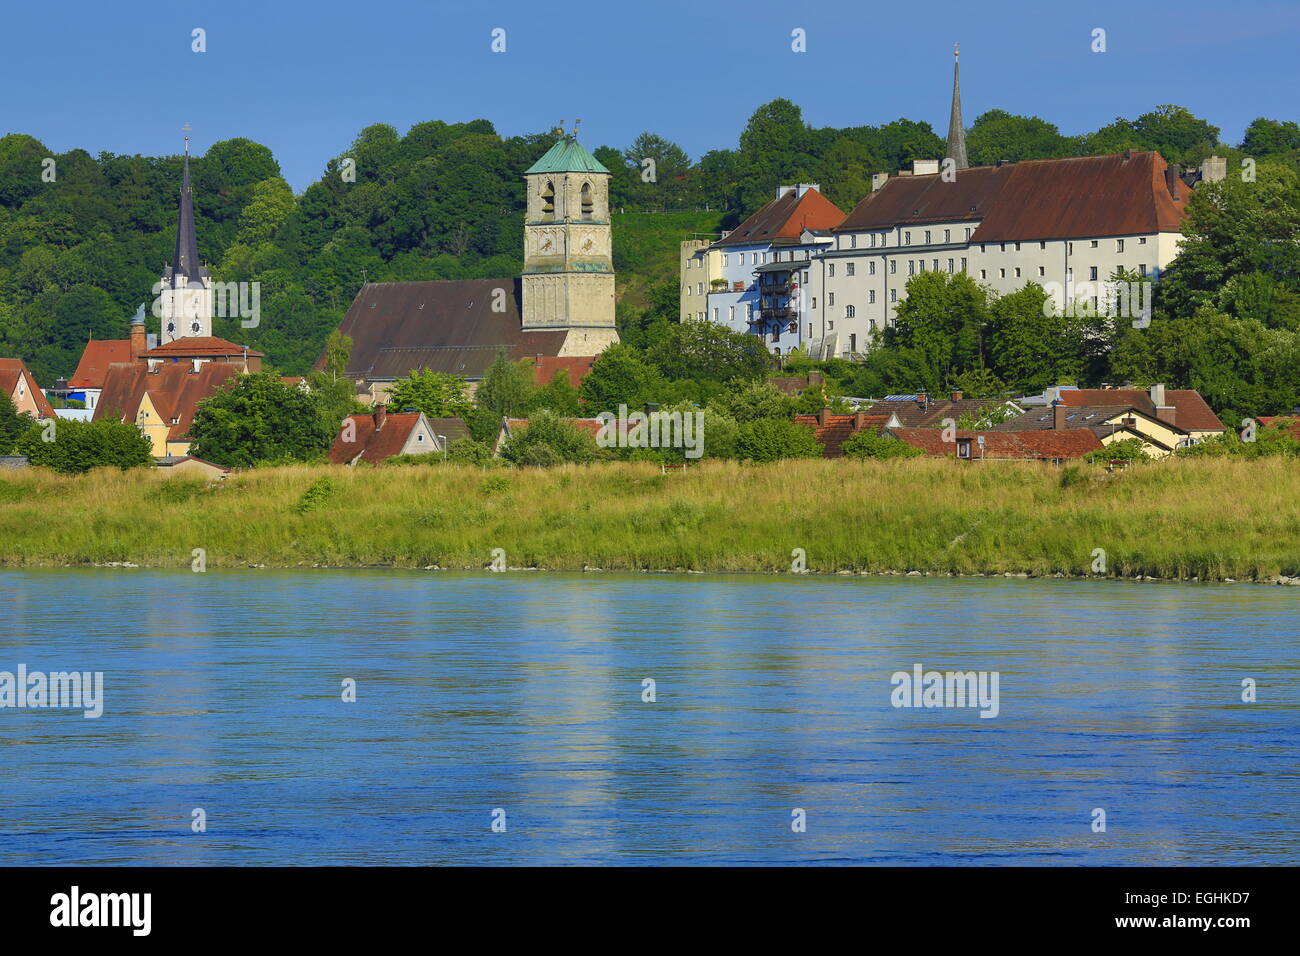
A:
(185, 299)
(568, 280)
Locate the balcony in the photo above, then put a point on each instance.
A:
(774, 315)
(774, 288)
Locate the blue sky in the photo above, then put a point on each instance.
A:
(304, 78)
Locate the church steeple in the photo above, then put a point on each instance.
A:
(186, 260)
(956, 132)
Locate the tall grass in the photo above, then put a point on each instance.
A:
(1208, 519)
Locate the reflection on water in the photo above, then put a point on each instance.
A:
(524, 692)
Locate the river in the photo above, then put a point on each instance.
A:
(506, 718)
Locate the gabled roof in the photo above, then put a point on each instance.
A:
(1289, 423)
(174, 390)
(13, 369)
(376, 442)
(840, 428)
(201, 346)
(913, 415)
(567, 156)
(96, 359)
(1030, 445)
(1191, 411)
(1074, 198)
(445, 326)
(785, 218)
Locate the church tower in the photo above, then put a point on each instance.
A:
(956, 150)
(186, 288)
(568, 280)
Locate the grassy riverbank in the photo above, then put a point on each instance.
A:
(1209, 519)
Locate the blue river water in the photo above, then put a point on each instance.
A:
(519, 699)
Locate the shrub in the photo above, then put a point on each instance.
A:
(78, 447)
(1127, 450)
(317, 493)
(869, 444)
(563, 441)
(771, 439)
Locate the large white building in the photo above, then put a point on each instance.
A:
(753, 278)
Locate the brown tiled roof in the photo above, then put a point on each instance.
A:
(913, 415)
(174, 388)
(839, 428)
(785, 218)
(922, 199)
(1032, 445)
(11, 370)
(1191, 411)
(201, 346)
(575, 368)
(1289, 422)
(96, 359)
(1085, 197)
(1074, 198)
(374, 443)
(445, 326)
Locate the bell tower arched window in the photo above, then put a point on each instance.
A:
(588, 202)
(548, 201)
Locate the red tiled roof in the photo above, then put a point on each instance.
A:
(785, 218)
(1032, 445)
(1085, 197)
(200, 346)
(175, 389)
(1289, 422)
(1191, 412)
(13, 369)
(1073, 198)
(575, 367)
(374, 444)
(839, 428)
(96, 359)
(913, 415)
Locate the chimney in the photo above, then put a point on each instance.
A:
(815, 377)
(923, 400)
(925, 167)
(1157, 395)
(1214, 169)
(1173, 173)
(139, 340)
(878, 180)
(859, 421)
(1058, 415)
(956, 396)
(824, 417)
(380, 413)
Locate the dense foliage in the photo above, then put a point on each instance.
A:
(258, 419)
(73, 447)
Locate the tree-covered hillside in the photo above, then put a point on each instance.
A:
(82, 241)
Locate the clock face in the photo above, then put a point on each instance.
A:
(588, 242)
(195, 327)
(545, 242)
(171, 326)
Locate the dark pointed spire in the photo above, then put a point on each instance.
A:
(186, 260)
(956, 132)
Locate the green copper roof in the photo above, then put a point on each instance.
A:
(567, 156)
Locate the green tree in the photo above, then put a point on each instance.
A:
(12, 424)
(507, 388)
(80, 446)
(437, 394)
(870, 444)
(621, 376)
(774, 439)
(259, 419)
(549, 439)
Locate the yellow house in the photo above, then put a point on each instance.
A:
(698, 267)
(161, 398)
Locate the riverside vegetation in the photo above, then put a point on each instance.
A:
(1205, 518)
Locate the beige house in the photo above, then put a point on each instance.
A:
(17, 382)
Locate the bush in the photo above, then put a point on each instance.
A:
(869, 444)
(317, 493)
(549, 440)
(78, 447)
(1127, 450)
(771, 439)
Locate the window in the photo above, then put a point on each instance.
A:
(921, 263)
(871, 267)
(963, 447)
(984, 273)
(853, 341)
(809, 330)
(968, 233)
(1119, 245)
(1017, 273)
(731, 313)
(893, 266)
(1069, 248)
(1042, 245)
(831, 325)
(548, 201)
(853, 242)
(1042, 271)
(1017, 247)
(1004, 247)
(873, 240)
(1142, 268)
(849, 268)
(700, 287)
(830, 270)
(936, 265)
(927, 237)
(1002, 273)
(907, 238)
(688, 289)
(1092, 272)
(715, 315)
(830, 299)
(951, 263)
(726, 259)
(814, 302)
(893, 295)
(947, 235)
(871, 297)
(884, 238)
(873, 325)
(850, 312)
(911, 267)
(1092, 244)
(982, 245)
(1142, 240)
(588, 203)
(963, 264)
